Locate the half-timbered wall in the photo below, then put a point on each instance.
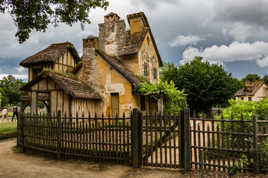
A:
(60, 101)
(85, 106)
(65, 63)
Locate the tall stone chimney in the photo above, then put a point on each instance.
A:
(89, 59)
(112, 34)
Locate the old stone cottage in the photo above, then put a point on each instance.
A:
(104, 79)
(252, 91)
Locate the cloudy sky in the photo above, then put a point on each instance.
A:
(233, 33)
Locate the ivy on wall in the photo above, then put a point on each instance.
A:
(175, 100)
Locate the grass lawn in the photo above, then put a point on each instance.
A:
(7, 129)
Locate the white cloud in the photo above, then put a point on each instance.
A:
(240, 32)
(236, 51)
(20, 69)
(182, 40)
(17, 76)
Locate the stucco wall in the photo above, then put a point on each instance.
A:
(147, 54)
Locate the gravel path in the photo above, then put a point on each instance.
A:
(18, 165)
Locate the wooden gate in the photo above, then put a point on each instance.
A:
(164, 141)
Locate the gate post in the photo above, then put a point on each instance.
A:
(136, 136)
(255, 143)
(185, 140)
(58, 135)
(21, 135)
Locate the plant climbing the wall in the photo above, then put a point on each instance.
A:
(175, 100)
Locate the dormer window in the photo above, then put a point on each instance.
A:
(145, 69)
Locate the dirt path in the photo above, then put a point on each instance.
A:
(18, 165)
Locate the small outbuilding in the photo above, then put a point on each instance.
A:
(252, 91)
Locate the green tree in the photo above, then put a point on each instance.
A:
(30, 15)
(206, 85)
(1, 97)
(4, 98)
(265, 79)
(251, 78)
(11, 90)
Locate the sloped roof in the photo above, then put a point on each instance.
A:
(51, 54)
(133, 43)
(255, 86)
(75, 88)
(123, 70)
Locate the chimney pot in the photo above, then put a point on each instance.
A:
(111, 17)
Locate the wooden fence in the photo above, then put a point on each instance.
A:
(95, 138)
(228, 144)
(179, 141)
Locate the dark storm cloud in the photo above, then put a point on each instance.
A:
(154, 3)
(250, 12)
(210, 22)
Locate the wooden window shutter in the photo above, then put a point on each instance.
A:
(115, 104)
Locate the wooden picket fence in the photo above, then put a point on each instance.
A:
(152, 140)
(228, 144)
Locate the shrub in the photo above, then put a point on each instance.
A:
(246, 110)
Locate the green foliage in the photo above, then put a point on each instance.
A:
(206, 85)
(251, 78)
(65, 74)
(1, 96)
(7, 129)
(265, 79)
(37, 15)
(10, 90)
(247, 110)
(175, 99)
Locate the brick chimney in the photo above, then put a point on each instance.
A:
(89, 59)
(137, 22)
(112, 34)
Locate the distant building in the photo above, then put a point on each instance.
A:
(252, 91)
(104, 79)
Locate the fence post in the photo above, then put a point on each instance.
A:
(136, 135)
(21, 140)
(58, 135)
(185, 140)
(255, 143)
